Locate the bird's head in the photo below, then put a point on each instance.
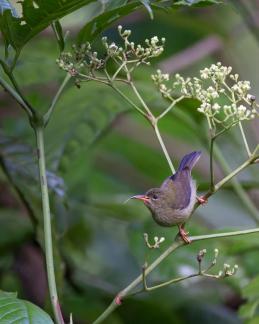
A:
(155, 199)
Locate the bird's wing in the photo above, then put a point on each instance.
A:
(179, 188)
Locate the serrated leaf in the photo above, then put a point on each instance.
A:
(14, 310)
(37, 15)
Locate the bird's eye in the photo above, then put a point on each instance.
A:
(155, 197)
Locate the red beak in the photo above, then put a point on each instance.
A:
(144, 198)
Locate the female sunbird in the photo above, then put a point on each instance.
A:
(173, 202)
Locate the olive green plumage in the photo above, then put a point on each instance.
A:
(172, 203)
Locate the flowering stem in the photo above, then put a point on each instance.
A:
(164, 148)
(55, 99)
(17, 97)
(173, 103)
(175, 245)
(140, 99)
(244, 139)
(47, 226)
(211, 164)
(244, 198)
(113, 86)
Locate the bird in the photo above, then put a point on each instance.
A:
(172, 203)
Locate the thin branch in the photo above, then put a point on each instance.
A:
(47, 226)
(237, 186)
(174, 102)
(175, 245)
(113, 86)
(164, 148)
(212, 164)
(17, 97)
(140, 98)
(166, 283)
(48, 114)
(244, 139)
(26, 106)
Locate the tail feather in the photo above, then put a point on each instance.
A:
(189, 160)
(187, 163)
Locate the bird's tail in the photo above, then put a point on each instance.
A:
(189, 160)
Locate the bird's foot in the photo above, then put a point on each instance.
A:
(202, 200)
(184, 235)
(118, 300)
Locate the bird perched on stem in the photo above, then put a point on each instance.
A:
(173, 202)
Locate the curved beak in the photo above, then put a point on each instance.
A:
(144, 198)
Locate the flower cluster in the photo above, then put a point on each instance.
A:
(226, 272)
(157, 241)
(83, 60)
(224, 99)
(160, 79)
(81, 56)
(131, 52)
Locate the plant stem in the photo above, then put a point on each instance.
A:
(47, 225)
(175, 245)
(211, 164)
(16, 96)
(9, 73)
(55, 99)
(244, 198)
(164, 148)
(244, 139)
(128, 100)
(172, 104)
(140, 99)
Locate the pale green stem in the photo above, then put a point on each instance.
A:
(244, 198)
(167, 283)
(25, 105)
(140, 99)
(174, 102)
(164, 148)
(48, 114)
(244, 139)
(128, 100)
(16, 96)
(175, 245)
(118, 71)
(47, 226)
(150, 118)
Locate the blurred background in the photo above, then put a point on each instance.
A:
(100, 152)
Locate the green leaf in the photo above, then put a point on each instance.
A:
(197, 2)
(81, 119)
(59, 35)
(94, 27)
(14, 310)
(252, 289)
(248, 310)
(14, 228)
(37, 15)
(146, 4)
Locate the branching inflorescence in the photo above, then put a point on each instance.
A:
(225, 101)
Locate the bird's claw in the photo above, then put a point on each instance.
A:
(184, 236)
(202, 200)
(118, 300)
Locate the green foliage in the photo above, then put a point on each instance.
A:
(20, 311)
(97, 156)
(18, 31)
(251, 293)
